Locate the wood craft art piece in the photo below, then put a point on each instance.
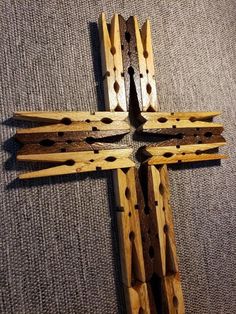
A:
(84, 141)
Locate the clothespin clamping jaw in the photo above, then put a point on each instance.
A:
(76, 141)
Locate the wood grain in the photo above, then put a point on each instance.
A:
(133, 273)
(166, 259)
(130, 243)
(77, 127)
(118, 62)
(78, 156)
(191, 116)
(147, 214)
(155, 160)
(160, 257)
(146, 66)
(125, 51)
(69, 116)
(189, 131)
(79, 162)
(188, 140)
(172, 151)
(184, 124)
(60, 147)
(112, 65)
(183, 153)
(160, 189)
(68, 136)
(137, 299)
(135, 100)
(181, 124)
(173, 296)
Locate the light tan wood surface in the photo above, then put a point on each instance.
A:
(130, 242)
(167, 269)
(146, 66)
(77, 126)
(137, 299)
(112, 65)
(73, 116)
(77, 162)
(156, 160)
(163, 150)
(159, 185)
(78, 156)
(191, 116)
(155, 124)
(174, 302)
(183, 153)
(188, 123)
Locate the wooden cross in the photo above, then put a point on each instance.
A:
(84, 141)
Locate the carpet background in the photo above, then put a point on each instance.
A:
(59, 250)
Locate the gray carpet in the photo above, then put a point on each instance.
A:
(58, 240)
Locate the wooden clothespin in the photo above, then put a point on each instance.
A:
(146, 66)
(112, 64)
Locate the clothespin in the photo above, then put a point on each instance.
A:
(146, 66)
(112, 64)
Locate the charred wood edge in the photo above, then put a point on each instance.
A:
(185, 131)
(159, 283)
(132, 74)
(130, 243)
(148, 225)
(55, 142)
(134, 101)
(188, 140)
(206, 136)
(61, 147)
(75, 136)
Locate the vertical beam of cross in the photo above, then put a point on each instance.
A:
(161, 243)
(130, 242)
